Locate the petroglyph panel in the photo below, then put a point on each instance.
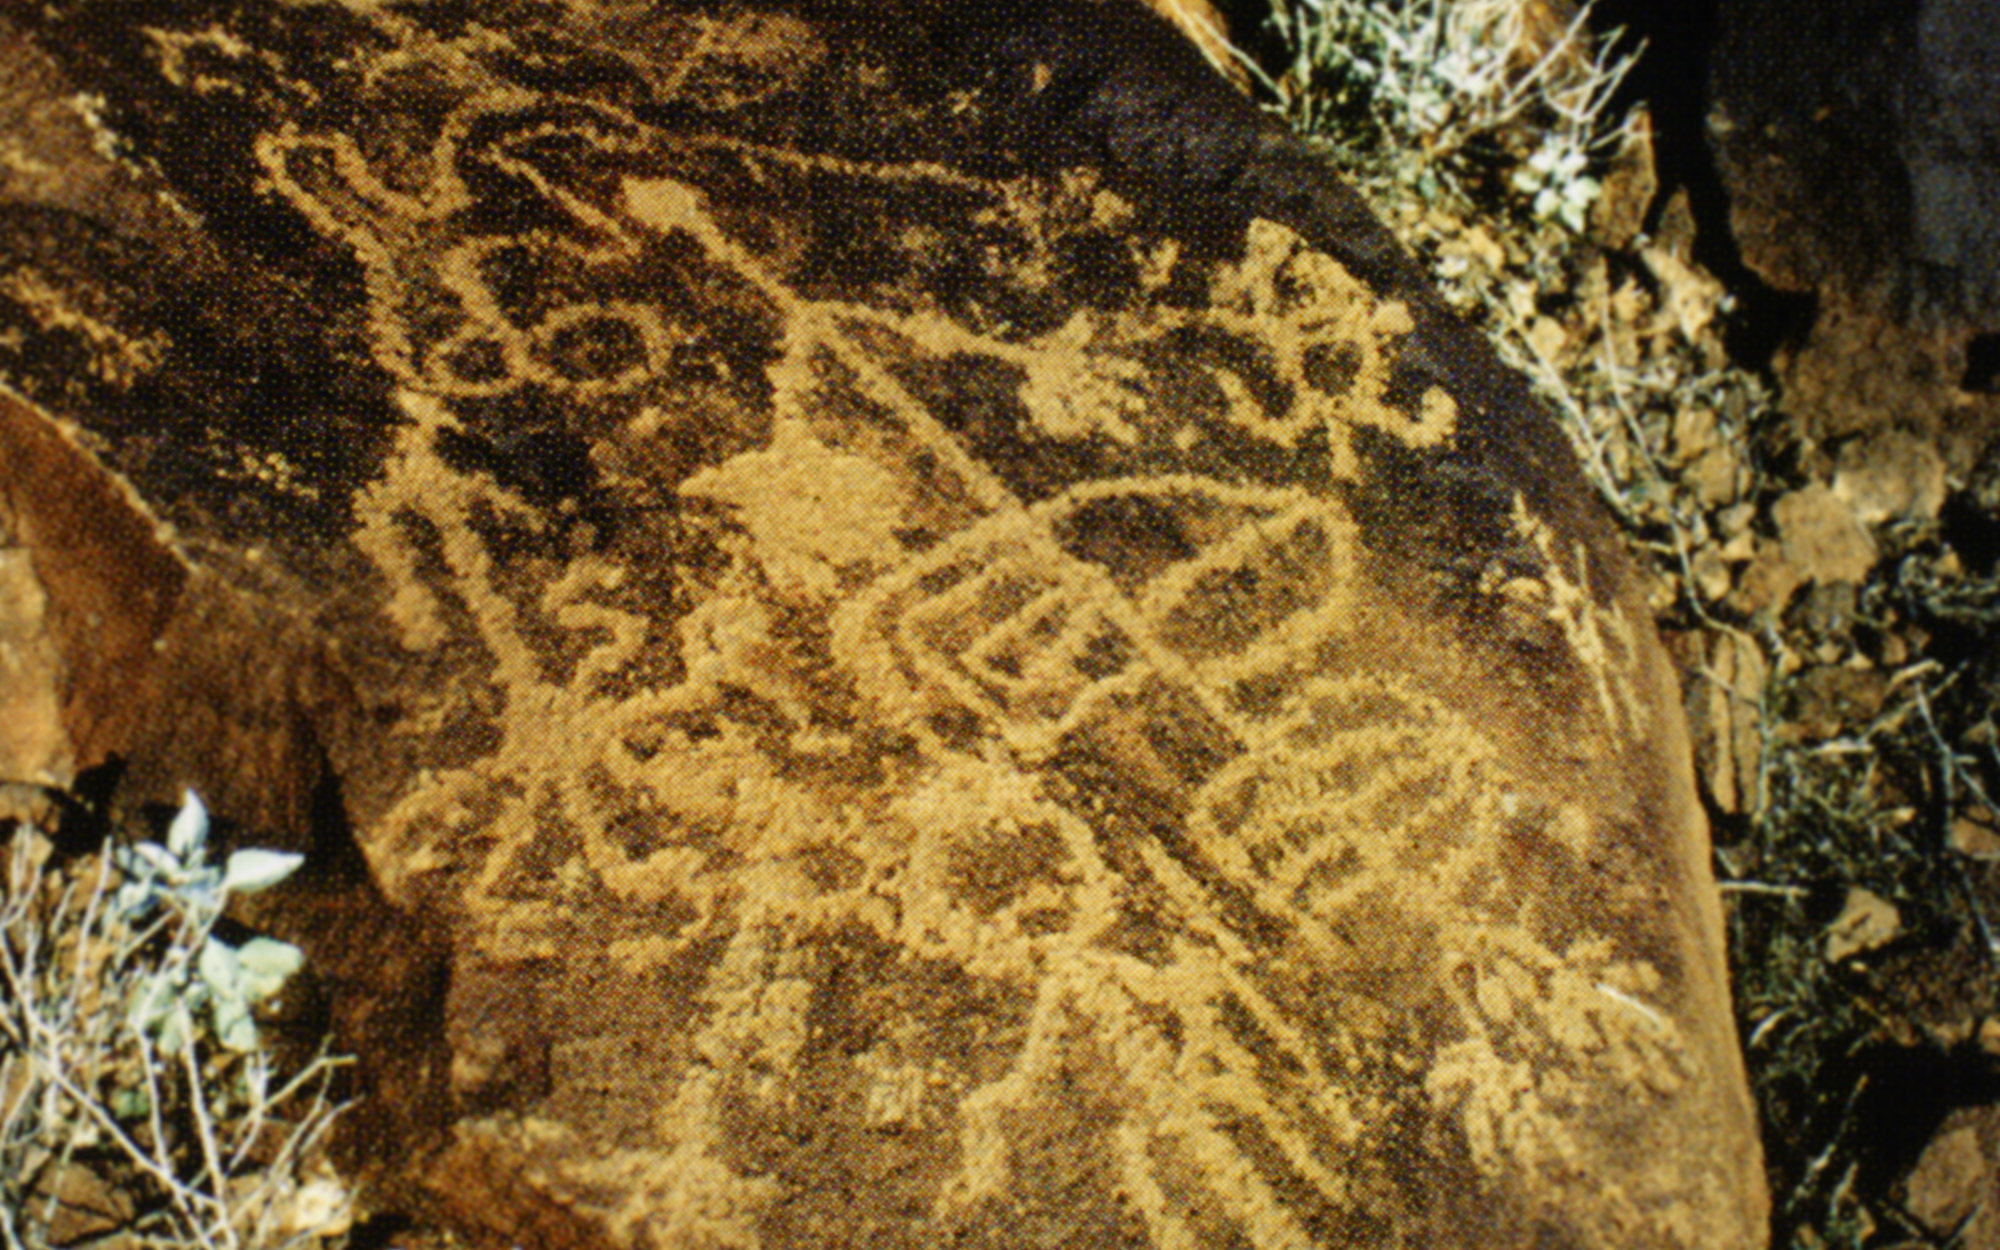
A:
(940, 671)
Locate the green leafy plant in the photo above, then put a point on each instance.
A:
(137, 1099)
(219, 981)
(1555, 179)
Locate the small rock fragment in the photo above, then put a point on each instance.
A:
(1867, 922)
(1710, 574)
(1691, 296)
(1989, 1036)
(1695, 434)
(1976, 834)
(1893, 475)
(1833, 698)
(1549, 339)
(1716, 477)
(1629, 186)
(1769, 581)
(1736, 676)
(1951, 1189)
(1735, 521)
(1821, 536)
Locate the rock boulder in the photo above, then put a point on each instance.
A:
(889, 623)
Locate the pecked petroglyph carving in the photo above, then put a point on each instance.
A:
(936, 671)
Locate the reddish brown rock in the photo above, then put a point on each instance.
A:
(887, 625)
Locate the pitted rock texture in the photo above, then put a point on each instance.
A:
(890, 624)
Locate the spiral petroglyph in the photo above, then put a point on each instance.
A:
(925, 633)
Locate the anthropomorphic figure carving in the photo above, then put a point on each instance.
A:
(890, 623)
